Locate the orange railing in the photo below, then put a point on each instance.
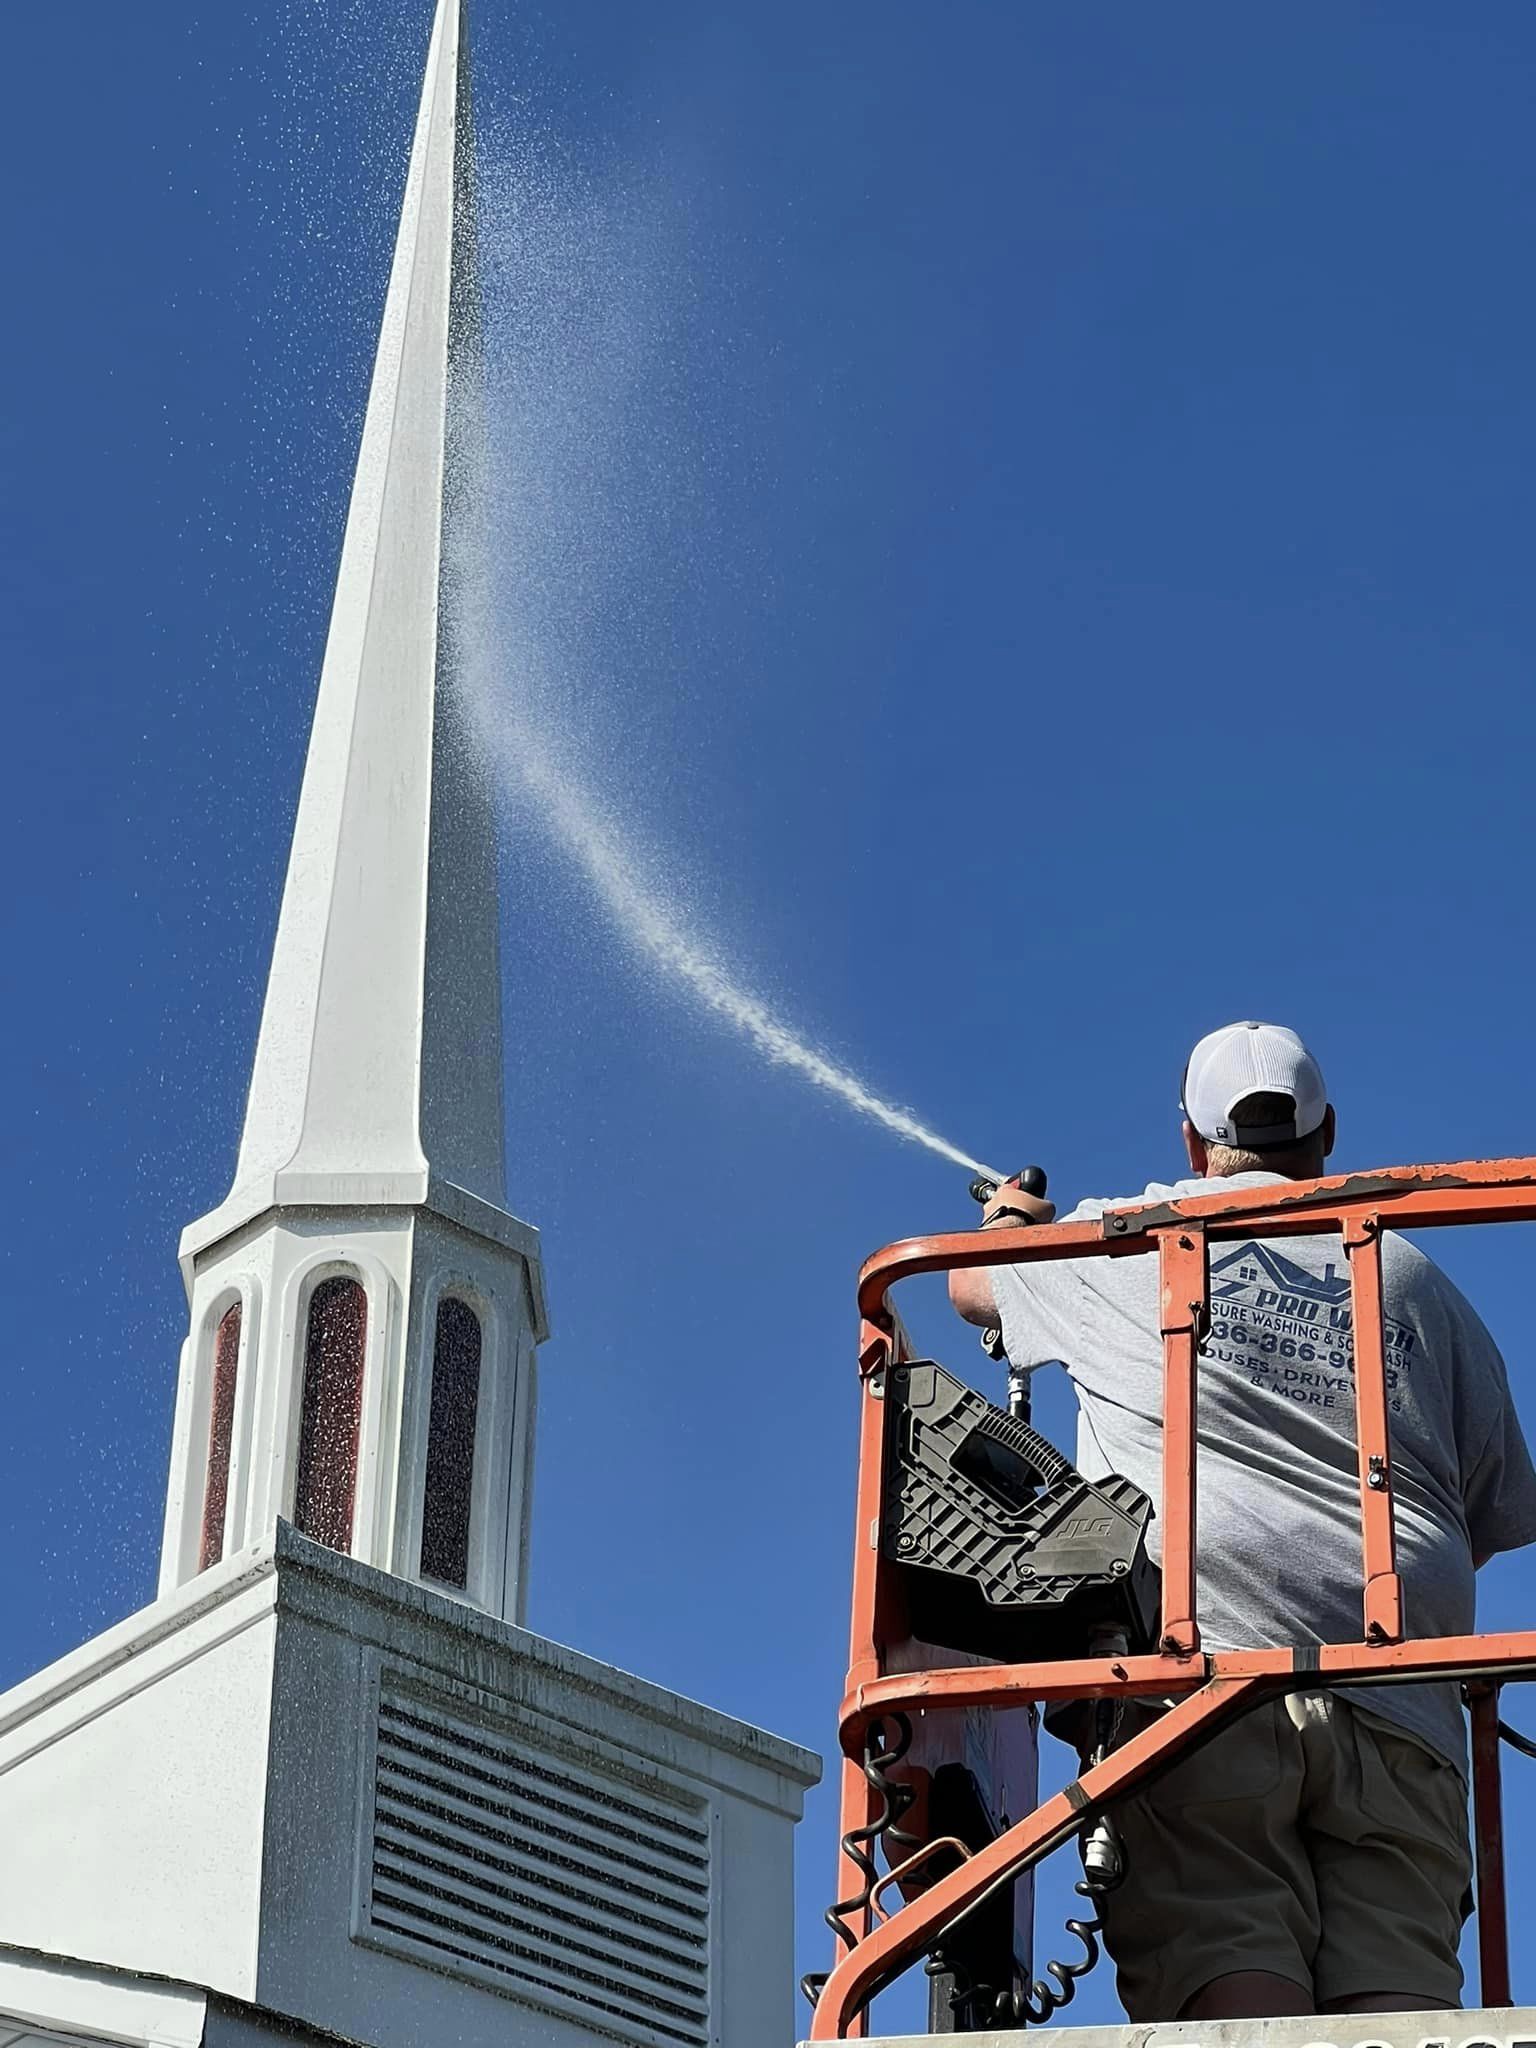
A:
(1211, 1689)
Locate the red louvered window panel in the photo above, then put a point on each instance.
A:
(450, 1474)
(335, 1344)
(221, 1436)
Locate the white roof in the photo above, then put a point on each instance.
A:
(51, 2000)
(30, 2039)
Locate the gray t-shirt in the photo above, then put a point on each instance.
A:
(1279, 1503)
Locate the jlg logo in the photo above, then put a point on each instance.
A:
(1085, 1525)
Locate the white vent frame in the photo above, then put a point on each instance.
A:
(596, 1771)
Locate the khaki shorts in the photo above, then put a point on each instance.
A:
(1310, 1839)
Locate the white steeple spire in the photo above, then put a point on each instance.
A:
(372, 1152)
(371, 1068)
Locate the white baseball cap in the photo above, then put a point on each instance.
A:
(1252, 1059)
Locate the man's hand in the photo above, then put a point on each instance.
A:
(970, 1291)
(1011, 1209)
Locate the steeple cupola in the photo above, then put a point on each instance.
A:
(364, 1311)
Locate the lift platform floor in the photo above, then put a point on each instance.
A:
(1493, 2027)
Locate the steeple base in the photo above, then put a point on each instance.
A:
(302, 1786)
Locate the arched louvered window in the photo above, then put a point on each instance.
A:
(221, 1434)
(451, 1444)
(335, 1342)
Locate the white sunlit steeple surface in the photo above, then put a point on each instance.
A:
(364, 1310)
(379, 1058)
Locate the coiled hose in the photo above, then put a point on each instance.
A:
(859, 1843)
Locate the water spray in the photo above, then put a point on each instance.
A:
(616, 871)
(565, 469)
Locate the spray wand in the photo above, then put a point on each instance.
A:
(1031, 1181)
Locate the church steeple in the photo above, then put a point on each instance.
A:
(364, 1310)
(352, 1081)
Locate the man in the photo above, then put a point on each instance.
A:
(1314, 1856)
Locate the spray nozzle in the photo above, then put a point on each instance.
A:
(986, 1185)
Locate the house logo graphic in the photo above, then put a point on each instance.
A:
(1262, 1278)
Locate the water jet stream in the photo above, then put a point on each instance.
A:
(612, 869)
(567, 470)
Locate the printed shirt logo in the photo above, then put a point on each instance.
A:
(1289, 1329)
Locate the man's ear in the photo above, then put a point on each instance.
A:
(1194, 1145)
(1328, 1131)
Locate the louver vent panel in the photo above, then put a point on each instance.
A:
(494, 1857)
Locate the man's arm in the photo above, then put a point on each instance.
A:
(1498, 1480)
(971, 1296)
(970, 1290)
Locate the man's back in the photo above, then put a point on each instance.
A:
(1314, 1856)
(1279, 1506)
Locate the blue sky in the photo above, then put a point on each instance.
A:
(1076, 505)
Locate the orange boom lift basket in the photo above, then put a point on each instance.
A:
(1209, 1689)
